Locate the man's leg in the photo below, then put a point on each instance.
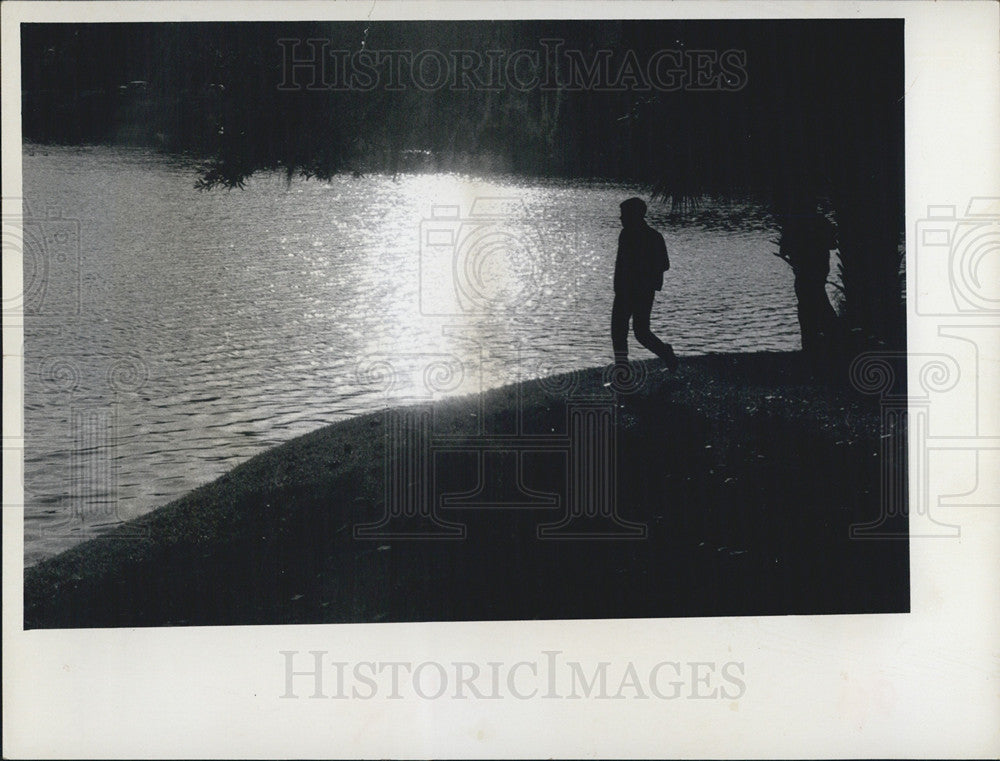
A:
(621, 310)
(642, 307)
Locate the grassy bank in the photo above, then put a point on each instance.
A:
(745, 471)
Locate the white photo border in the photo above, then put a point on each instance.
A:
(922, 684)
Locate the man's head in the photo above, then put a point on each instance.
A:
(633, 212)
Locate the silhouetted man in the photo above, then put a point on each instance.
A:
(639, 267)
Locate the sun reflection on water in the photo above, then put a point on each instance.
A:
(261, 314)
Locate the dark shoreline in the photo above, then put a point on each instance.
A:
(197, 161)
(746, 472)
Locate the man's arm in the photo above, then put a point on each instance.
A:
(619, 266)
(665, 259)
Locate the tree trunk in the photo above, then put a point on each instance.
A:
(868, 237)
(806, 240)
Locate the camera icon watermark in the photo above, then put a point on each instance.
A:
(48, 245)
(487, 262)
(962, 252)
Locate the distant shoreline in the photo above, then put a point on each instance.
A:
(194, 160)
(745, 471)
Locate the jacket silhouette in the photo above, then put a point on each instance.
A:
(642, 259)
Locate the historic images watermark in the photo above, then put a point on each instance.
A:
(413, 499)
(89, 390)
(957, 286)
(482, 260)
(47, 242)
(319, 675)
(958, 260)
(316, 65)
(94, 392)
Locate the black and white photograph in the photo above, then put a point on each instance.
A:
(518, 320)
(491, 321)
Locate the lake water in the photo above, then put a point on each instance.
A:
(172, 334)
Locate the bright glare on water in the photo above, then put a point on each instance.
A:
(189, 331)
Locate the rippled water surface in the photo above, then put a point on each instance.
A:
(183, 332)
